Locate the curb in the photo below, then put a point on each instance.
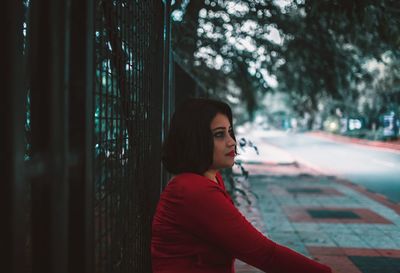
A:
(392, 147)
(314, 170)
(380, 198)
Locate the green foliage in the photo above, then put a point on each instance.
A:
(203, 38)
(318, 58)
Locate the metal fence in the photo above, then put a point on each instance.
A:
(127, 132)
(86, 79)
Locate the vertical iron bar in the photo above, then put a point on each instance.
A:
(108, 239)
(156, 97)
(49, 104)
(166, 81)
(99, 157)
(81, 137)
(13, 188)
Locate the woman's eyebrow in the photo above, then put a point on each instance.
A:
(221, 127)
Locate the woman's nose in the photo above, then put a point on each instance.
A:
(231, 141)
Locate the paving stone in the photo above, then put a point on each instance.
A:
(348, 240)
(338, 214)
(376, 264)
(381, 242)
(316, 238)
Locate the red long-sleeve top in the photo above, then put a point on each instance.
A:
(197, 229)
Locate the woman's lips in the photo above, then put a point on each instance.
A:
(231, 154)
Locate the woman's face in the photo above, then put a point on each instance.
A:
(224, 144)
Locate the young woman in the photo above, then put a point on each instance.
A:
(196, 227)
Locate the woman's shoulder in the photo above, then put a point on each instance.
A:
(188, 178)
(193, 188)
(192, 181)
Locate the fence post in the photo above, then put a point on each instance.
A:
(167, 90)
(13, 190)
(81, 148)
(48, 50)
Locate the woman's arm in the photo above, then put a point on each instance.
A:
(209, 214)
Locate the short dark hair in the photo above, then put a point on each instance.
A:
(189, 145)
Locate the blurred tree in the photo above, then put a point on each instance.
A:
(230, 47)
(313, 50)
(382, 94)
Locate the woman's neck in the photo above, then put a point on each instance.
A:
(211, 174)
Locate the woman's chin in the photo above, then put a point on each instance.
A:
(229, 165)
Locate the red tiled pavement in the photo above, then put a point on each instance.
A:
(338, 259)
(322, 191)
(339, 264)
(296, 214)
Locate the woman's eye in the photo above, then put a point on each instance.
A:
(222, 134)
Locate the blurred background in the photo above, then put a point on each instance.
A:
(328, 67)
(296, 65)
(314, 87)
(89, 89)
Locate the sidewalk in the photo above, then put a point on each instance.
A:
(329, 219)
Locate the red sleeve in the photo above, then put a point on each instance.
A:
(208, 213)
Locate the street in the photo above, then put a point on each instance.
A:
(376, 170)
